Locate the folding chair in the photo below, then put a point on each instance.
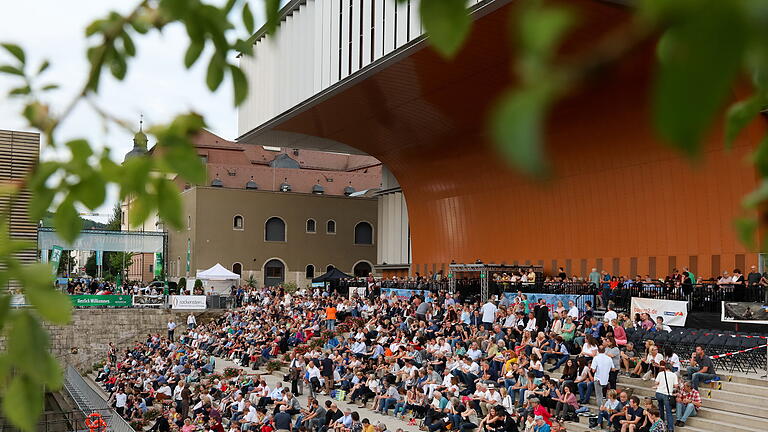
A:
(754, 359)
(735, 361)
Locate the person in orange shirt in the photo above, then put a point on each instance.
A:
(330, 317)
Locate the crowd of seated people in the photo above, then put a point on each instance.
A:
(514, 364)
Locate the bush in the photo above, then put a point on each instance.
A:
(301, 349)
(151, 414)
(182, 284)
(97, 365)
(290, 287)
(231, 372)
(138, 425)
(198, 284)
(274, 365)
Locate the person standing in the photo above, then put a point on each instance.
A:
(489, 314)
(330, 316)
(601, 368)
(191, 321)
(120, 401)
(594, 278)
(666, 383)
(171, 328)
(541, 312)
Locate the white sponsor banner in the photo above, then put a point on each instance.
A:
(673, 312)
(188, 302)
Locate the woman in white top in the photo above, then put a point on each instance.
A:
(535, 366)
(589, 349)
(665, 385)
(672, 359)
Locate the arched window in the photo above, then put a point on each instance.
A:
(274, 272)
(189, 222)
(328, 268)
(311, 226)
(237, 222)
(363, 233)
(310, 272)
(330, 227)
(237, 268)
(362, 269)
(274, 230)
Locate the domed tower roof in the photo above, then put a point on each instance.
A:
(349, 190)
(317, 189)
(139, 143)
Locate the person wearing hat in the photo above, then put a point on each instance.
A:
(540, 425)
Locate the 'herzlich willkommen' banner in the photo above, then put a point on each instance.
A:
(673, 312)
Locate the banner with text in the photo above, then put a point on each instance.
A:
(188, 302)
(405, 294)
(55, 258)
(101, 300)
(744, 312)
(158, 265)
(674, 312)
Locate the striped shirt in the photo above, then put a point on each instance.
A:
(692, 395)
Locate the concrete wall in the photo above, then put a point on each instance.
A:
(92, 330)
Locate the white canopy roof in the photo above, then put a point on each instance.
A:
(217, 272)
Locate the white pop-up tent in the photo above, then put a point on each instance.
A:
(218, 279)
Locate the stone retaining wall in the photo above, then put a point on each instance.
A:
(86, 340)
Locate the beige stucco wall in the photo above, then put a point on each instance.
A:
(211, 212)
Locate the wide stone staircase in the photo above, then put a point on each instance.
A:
(736, 403)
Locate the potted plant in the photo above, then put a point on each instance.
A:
(273, 365)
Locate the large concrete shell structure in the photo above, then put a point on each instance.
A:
(356, 75)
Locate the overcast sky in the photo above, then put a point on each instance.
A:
(157, 84)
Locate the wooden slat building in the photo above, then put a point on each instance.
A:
(19, 152)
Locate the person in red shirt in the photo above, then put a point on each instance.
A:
(539, 410)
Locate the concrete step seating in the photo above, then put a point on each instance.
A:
(741, 405)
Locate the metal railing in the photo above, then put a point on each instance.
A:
(88, 400)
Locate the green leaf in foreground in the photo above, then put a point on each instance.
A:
(215, 73)
(447, 22)
(240, 84)
(272, 9)
(169, 202)
(746, 228)
(66, 220)
(739, 115)
(757, 196)
(15, 51)
(52, 304)
(701, 56)
(23, 402)
(193, 53)
(517, 125)
(248, 21)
